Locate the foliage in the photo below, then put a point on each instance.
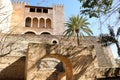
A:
(94, 8)
(111, 38)
(79, 26)
(117, 61)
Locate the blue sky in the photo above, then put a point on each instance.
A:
(72, 7)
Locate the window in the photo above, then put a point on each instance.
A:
(54, 42)
(45, 10)
(32, 9)
(39, 10)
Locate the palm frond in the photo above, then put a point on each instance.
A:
(87, 30)
(68, 33)
(79, 25)
(82, 36)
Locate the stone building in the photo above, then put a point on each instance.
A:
(37, 20)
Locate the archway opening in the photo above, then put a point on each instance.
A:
(28, 22)
(35, 22)
(42, 23)
(67, 66)
(30, 33)
(46, 33)
(53, 67)
(48, 23)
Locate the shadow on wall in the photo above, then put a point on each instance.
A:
(15, 71)
(110, 78)
(80, 64)
(59, 70)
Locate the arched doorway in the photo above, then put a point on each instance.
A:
(28, 22)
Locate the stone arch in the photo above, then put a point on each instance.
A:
(42, 23)
(40, 51)
(28, 22)
(35, 22)
(46, 33)
(30, 32)
(66, 63)
(48, 23)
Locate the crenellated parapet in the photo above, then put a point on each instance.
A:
(58, 6)
(18, 2)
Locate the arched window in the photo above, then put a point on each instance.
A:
(48, 23)
(28, 22)
(54, 41)
(35, 22)
(42, 23)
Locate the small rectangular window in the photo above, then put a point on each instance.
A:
(45, 10)
(32, 9)
(39, 10)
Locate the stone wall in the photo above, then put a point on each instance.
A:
(86, 59)
(12, 68)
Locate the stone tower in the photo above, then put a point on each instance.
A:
(37, 20)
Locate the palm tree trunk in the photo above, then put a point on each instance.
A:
(118, 48)
(78, 41)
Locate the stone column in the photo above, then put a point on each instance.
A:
(31, 22)
(38, 23)
(45, 23)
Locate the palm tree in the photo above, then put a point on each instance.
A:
(111, 38)
(79, 26)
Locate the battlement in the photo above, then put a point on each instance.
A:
(58, 6)
(18, 2)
